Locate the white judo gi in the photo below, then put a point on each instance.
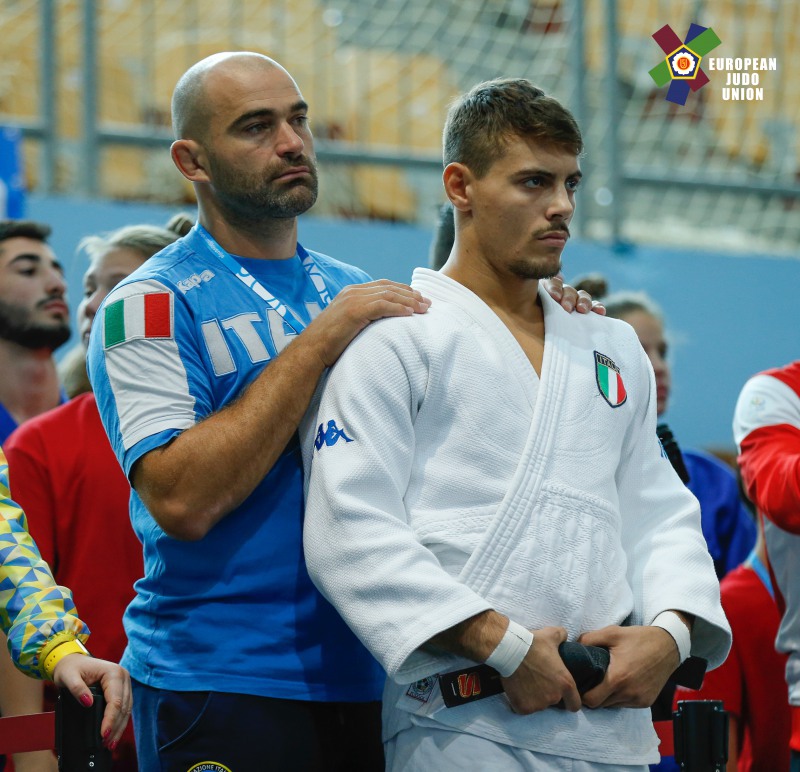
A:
(446, 478)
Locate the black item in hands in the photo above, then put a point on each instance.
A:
(78, 741)
(670, 445)
(586, 664)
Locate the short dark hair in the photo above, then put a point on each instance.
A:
(481, 122)
(24, 229)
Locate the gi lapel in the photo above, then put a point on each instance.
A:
(491, 555)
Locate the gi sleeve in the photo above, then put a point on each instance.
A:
(669, 566)
(360, 549)
(34, 608)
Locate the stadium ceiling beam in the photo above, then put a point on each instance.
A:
(327, 150)
(739, 185)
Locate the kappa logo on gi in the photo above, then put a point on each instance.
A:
(609, 380)
(330, 436)
(195, 280)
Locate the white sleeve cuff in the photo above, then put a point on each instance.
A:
(675, 626)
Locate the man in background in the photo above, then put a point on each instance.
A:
(73, 490)
(34, 322)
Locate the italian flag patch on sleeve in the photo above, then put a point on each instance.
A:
(146, 315)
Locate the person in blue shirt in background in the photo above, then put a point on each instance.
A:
(727, 527)
(729, 531)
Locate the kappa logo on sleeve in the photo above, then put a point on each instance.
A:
(144, 315)
(330, 436)
(609, 380)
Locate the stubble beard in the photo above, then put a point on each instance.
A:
(536, 269)
(16, 326)
(251, 201)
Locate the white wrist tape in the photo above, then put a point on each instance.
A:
(674, 625)
(511, 650)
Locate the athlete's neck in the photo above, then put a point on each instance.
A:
(508, 295)
(271, 239)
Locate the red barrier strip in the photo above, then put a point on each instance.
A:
(20, 734)
(665, 734)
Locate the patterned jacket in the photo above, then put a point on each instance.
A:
(35, 612)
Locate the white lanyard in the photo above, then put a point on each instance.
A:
(241, 273)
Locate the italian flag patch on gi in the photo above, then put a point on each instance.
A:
(147, 315)
(609, 380)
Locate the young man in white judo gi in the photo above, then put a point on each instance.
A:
(485, 482)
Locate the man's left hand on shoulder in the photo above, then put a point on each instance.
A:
(642, 659)
(572, 299)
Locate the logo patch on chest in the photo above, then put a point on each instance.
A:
(609, 380)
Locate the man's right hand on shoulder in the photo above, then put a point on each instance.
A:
(542, 680)
(353, 309)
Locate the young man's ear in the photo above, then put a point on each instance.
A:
(189, 157)
(457, 180)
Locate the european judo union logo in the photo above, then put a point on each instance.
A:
(682, 63)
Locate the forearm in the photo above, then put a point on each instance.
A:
(474, 638)
(22, 696)
(19, 695)
(534, 676)
(192, 483)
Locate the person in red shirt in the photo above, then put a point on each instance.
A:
(68, 481)
(750, 682)
(766, 428)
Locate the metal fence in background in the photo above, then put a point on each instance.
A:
(89, 84)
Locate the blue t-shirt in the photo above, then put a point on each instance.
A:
(7, 423)
(235, 611)
(729, 530)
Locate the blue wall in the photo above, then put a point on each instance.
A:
(728, 316)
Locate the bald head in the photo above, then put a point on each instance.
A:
(190, 104)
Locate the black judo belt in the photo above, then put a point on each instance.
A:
(586, 664)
